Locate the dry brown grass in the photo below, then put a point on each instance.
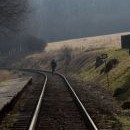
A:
(78, 46)
(106, 41)
(5, 75)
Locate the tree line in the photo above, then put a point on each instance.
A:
(12, 14)
(20, 45)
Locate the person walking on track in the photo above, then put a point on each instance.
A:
(53, 65)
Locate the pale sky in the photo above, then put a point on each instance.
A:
(55, 20)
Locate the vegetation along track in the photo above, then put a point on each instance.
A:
(58, 108)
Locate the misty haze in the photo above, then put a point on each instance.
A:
(64, 64)
(55, 20)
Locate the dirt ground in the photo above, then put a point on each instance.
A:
(100, 104)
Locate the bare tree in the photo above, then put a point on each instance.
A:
(11, 14)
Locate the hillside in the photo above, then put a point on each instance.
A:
(83, 53)
(109, 41)
(77, 58)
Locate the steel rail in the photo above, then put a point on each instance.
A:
(92, 125)
(90, 122)
(37, 110)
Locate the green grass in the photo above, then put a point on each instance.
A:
(119, 76)
(124, 121)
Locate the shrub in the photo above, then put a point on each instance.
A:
(109, 66)
(126, 105)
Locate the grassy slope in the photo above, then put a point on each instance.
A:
(119, 76)
(112, 40)
(83, 61)
(83, 65)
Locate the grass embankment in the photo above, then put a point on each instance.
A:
(119, 77)
(84, 63)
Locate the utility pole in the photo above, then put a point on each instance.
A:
(104, 57)
(129, 49)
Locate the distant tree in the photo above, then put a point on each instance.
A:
(11, 14)
(34, 44)
(20, 45)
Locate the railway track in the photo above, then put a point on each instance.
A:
(30, 99)
(58, 108)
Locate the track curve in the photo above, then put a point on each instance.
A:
(57, 108)
(69, 118)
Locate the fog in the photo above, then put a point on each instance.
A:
(55, 20)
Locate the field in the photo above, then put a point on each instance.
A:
(109, 41)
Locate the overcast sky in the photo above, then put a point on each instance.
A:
(55, 20)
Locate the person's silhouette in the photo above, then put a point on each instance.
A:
(53, 65)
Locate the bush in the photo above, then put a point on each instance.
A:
(120, 91)
(109, 66)
(126, 105)
(99, 62)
